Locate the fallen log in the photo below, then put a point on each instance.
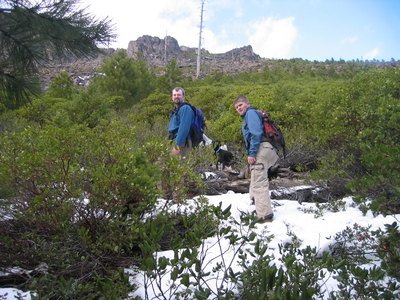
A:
(238, 186)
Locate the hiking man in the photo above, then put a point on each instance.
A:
(180, 122)
(261, 155)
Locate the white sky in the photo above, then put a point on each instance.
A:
(308, 29)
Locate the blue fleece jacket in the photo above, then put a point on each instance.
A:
(180, 124)
(252, 129)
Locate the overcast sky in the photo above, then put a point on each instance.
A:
(308, 29)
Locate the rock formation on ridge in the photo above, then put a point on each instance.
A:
(157, 52)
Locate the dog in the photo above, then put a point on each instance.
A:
(225, 157)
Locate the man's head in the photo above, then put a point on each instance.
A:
(241, 104)
(178, 95)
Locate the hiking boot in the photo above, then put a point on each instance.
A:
(267, 218)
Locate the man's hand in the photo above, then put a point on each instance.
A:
(251, 160)
(176, 150)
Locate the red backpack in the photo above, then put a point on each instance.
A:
(272, 132)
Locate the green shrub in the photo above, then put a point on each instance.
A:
(72, 191)
(381, 181)
(388, 249)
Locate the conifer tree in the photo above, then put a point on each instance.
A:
(119, 77)
(34, 33)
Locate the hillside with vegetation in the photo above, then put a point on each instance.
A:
(82, 167)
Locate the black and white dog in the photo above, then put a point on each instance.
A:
(225, 157)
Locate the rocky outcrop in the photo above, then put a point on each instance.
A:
(157, 53)
(242, 54)
(154, 48)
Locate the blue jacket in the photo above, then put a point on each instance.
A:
(180, 123)
(252, 129)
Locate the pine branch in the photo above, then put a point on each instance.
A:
(33, 34)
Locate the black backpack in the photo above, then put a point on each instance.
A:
(273, 133)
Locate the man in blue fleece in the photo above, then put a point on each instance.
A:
(261, 155)
(179, 125)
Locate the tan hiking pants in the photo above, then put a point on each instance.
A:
(259, 184)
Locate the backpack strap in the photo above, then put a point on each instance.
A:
(186, 103)
(247, 126)
(176, 109)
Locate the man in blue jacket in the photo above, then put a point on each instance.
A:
(261, 155)
(179, 125)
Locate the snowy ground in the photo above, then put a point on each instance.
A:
(290, 217)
